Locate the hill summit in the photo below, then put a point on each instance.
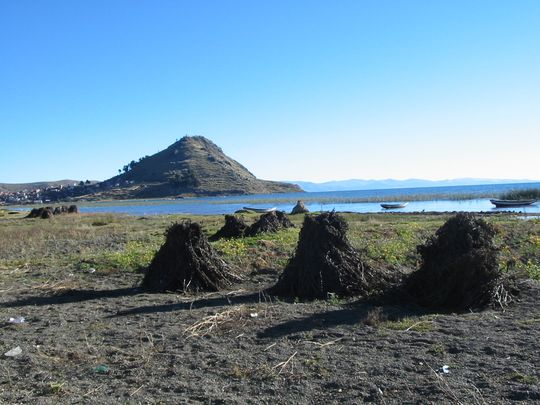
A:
(194, 165)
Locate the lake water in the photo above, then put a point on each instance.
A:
(326, 201)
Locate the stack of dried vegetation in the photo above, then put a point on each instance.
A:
(460, 267)
(325, 263)
(299, 208)
(187, 262)
(49, 212)
(272, 221)
(234, 227)
(43, 212)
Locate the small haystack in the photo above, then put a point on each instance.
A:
(326, 263)
(460, 267)
(299, 208)
(234, 227)
(272, 221)
(49, 212)
(61, 210)
(187, 262)
(43, 213)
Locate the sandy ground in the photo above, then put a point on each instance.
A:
(108, 342)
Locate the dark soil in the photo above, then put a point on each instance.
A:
(187, 262)
(112, 343)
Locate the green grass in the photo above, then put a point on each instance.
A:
(523, 378)
(524, 194)
(116, 243)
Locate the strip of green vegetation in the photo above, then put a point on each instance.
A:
(127, 243)
(135, 256)
(523, 378)
(525, 194)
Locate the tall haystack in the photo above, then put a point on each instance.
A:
(234, 227)
(271, 221)
(460, 267)
(325, 262)
(187, 262)
(299, 208)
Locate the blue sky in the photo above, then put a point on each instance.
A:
(294, 90)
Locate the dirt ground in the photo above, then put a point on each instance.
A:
(93, 337)
(110, 343)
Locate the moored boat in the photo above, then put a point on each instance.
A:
(390, 206)
(260, 210)
(511, 203)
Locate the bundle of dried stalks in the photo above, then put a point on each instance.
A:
(187, 262)
(460, 267)
(234, 227)
(272, 221)
(325, 263)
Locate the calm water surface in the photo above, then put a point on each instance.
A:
(327, 201)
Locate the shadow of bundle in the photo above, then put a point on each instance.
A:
(187, 262)
(325, 263)
(44, 213)
(271, 221)
(460, 267)
(234, 227)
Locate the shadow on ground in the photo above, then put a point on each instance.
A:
(220, 301)
(358, 313)
(72, 296)
(77, 296)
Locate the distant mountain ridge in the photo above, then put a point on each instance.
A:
(17, 187)
(359, 184)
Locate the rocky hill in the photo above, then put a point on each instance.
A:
(192, 166)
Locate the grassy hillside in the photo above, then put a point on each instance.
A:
(193, 166)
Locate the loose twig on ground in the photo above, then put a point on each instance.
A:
(321, 345)
(213, 322)
(283, 364)
(416, 324)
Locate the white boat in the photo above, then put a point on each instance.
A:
(511, 203)
(260, 210)
(391, 206)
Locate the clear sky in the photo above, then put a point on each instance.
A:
(294, 90)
